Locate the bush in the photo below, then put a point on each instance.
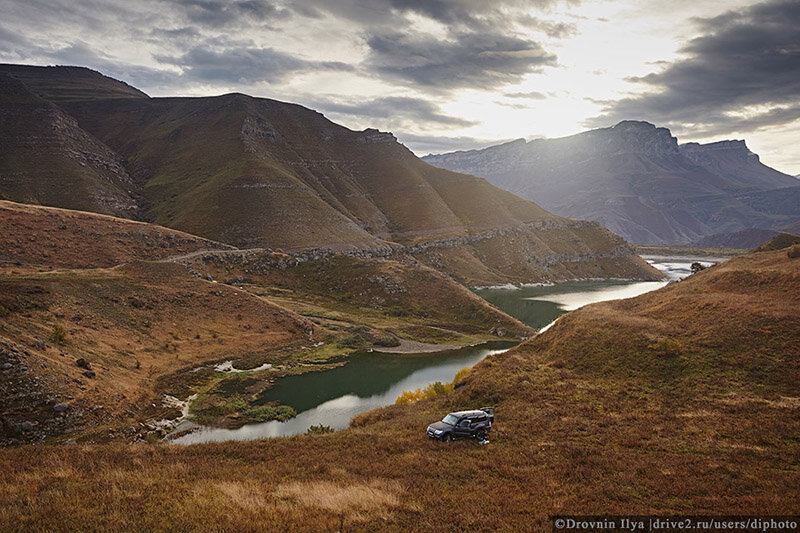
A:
(350, 341)
(387, 341)
(265, 413)
(434, 389)
(319, 430)
(794, 252)
(58, 335)
(667, 347)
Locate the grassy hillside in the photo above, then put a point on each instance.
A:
(62, 238)
(145, 307)
(679, 401)
(254, 172)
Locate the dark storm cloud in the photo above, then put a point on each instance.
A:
(747, 60)
(473, 60)
(397, 108)
(81, 54)
(481, 49)
(225, 43)
(246, 65)
(389, 12)
(557, 30)
(220, 13)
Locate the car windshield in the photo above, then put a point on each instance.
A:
(450, 419)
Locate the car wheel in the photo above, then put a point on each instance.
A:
(481, 434)
(447, 437)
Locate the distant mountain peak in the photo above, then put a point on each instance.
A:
(636, 179)
(732, 149)
(635, 124)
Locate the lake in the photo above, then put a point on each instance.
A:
(372, 379)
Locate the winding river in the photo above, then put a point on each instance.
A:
(371, 379)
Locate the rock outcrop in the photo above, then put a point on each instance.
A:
(636, 180)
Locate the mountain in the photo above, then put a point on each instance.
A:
(683, 400)
(745, 239)
(636, 180)
(45, 157)
(254, 172)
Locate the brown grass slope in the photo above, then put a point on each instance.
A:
(63, 238)
(677, 402)
(260, 173)
(399, 298)
(63, 84)
(134, 324)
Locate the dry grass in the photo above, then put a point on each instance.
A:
(616, 429)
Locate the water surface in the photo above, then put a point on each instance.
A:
(333, 397)
(371, 379)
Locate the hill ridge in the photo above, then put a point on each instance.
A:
(260, 173)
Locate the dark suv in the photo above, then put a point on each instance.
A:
(463, 425)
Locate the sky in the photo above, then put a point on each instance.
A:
(447, 75)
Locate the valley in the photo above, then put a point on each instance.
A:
(231, 313)
(693, 384)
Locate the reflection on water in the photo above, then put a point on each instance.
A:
(333, 397)
(539, 306)
(370, 380)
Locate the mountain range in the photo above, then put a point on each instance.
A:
(636, 180)
(253, 172)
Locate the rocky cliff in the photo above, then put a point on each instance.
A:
(636, 180)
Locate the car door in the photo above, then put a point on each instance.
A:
(462, 429)
(479, 423)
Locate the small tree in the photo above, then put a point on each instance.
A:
(697, 267)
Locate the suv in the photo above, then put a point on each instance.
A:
(463, 425)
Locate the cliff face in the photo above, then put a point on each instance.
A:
(636, 180)
(254, 172)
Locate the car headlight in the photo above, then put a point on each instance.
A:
(437, 431)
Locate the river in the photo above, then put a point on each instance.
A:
(371, 379)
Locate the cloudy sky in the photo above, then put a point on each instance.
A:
(451, 74)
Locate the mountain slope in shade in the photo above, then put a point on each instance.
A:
(45, 157)
(637, 181)
(254, 172)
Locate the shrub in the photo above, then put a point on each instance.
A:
(461, 374)
(265, 413)
(350, 341)
(58, 335)
(434, 389)
(387, 341)
(666, 347)
(319, 430)
(794, 252)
